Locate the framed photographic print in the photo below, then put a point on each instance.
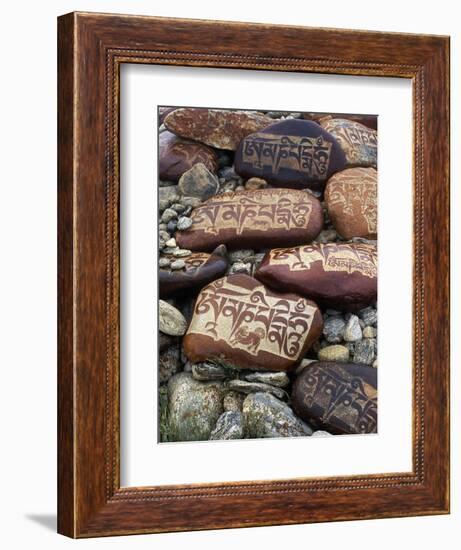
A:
(248, 216)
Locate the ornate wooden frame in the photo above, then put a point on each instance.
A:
(91, 48)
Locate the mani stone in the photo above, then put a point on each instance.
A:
(223, 129)
(237, 320)
(199, 269)
(177, 155)
(171, 321)
(338, 397)
(266, 416)
(193, 407)
(254, 219)
(371, 121)
(291, 153)
(163, 112)
(342, 276)
(198, 182)
(351, 198)
(359, 143)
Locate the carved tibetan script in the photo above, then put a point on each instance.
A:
(342, 396)
(253, 211)
(252, 320)
(356, 198)
(303, 154)
(361, 258)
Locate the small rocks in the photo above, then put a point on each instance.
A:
(369, 332)
(181, 253)
(168, 215)
(193, 407)
(266, 416)
(208, 371)
(369, 316)
(233, 401)
(198, 182)
(333, 329)
(171, 321)
(228, 426)
(253, 387)
(169, 363)
(240, 255)
(240, 267)
(365, 351)
(183, 223)
(190, 202)
(353, 331)
(255, 183)
(334, 353)
(171, 243)
(178, 264)
(279, 379)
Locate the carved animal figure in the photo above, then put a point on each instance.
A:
(251, 339)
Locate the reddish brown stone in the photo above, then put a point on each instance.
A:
(177, 155)
(254, 219)
(219, 128)
(341, 398)
(359, 143)
(351, 197)
(371, 121)
(290, 153)
(163, 112)
(200, 269)
(342, 276)
(237, 320)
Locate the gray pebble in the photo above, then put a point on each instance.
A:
(333, 329)
(168, 215)
(279, 379)
(178, 264)
(369, 316)
(184, 223)
(352, 332)
(181, 253)
(208, 371)
(228, 426)
(171, 226)
(163, 262)
(365, 351)
(178, 207)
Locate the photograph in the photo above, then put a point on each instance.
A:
(267, 273)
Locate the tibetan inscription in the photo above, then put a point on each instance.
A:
(254, 219)
(351, 200)
(290, 153)
(303, 154)
(199, 269)
(237, 320)
(359, 143)
(338, 275)
(339, 397)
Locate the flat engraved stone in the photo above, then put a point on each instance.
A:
(177, 155)
(338, 397)
(199, 269)
(359, 143)
(219, 128)
(254, 219)
(351, 197)
(240, 322)
(341, 276)
(291, 153)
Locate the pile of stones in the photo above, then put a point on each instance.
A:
(267, 274)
